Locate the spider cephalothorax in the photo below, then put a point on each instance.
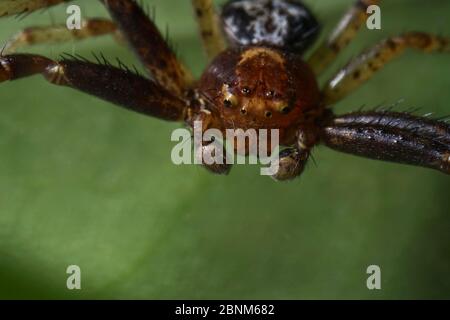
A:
(244, 92)
(260, 82)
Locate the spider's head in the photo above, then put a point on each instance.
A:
(259, 87)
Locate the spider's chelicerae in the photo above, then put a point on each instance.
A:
(259, 82)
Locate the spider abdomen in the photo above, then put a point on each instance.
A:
(282, 23)
(260, 88)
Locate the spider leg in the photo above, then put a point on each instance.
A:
(11, 7)
(60, 33)
(364, 66)
(342, 35)
(391, 136)
(121, 87)
(149, 45)
(209, 27)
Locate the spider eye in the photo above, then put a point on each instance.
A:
(246, 90)
(270, 94)
(227, 103)
(285, 109)
(230, 101)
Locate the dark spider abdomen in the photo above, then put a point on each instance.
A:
(285, 24)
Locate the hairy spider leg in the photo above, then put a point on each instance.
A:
(60, 33)
(121, 87)
(343, 34)
(391, 136)
(11, 7)
(149, 45)
(363, 67)
(209, 27)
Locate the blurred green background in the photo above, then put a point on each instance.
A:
(86, 183)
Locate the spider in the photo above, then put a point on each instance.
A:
(257, 78)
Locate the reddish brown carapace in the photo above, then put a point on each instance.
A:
(261, 88)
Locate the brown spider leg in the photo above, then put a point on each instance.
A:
(57, 34)
(209, 27)
(422, 126)
(121, 87)
(391, 136)
(364, 66)
(150, 46)
(342, 35)
(10, 7)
